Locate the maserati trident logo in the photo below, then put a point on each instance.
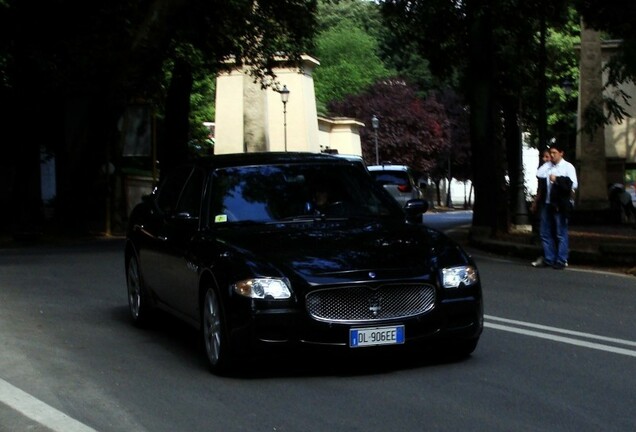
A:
(375, 305)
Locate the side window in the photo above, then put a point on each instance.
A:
(171, 190)
(190, 201)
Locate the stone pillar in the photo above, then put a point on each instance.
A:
(229, 113)
(592, 169)
(250, 119)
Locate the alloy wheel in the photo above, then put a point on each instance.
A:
(212, 330)
(134, 288)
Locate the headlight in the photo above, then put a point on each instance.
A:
(263, 288)
(455, 276)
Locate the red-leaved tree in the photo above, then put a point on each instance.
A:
(412, 131)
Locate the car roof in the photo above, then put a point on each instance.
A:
(268, 158)
(388, 167)
(350, 157)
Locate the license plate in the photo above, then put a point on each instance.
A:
(363, 337)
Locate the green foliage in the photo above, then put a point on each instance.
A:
(399, 56)
(435, 27)
(562, 76)
(354, 47)
(349, 62)
(202, 109)
(493, 49)
(362, 13)
(615, 18)
(409, 63)
(440, 30)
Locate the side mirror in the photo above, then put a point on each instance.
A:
(414, 209)
(184, 220)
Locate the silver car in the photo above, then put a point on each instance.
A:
(399, 180)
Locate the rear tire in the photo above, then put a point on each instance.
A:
(138, 302)
(214, 335)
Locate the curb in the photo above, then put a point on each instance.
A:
(607, 254)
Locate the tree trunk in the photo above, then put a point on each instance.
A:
(489, 209)
(542, 101)
(78, 162)
(173, 150)
(514, 157)
(438, 191)
(24, 206)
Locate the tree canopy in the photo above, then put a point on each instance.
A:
(71, 67)
(68, 69)
(495, 49)
(609, 17)
(349, 62)
(362, 66)
(613, 18)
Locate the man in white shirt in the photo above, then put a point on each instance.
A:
(559, 177)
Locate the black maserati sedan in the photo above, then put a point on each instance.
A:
(270, 250)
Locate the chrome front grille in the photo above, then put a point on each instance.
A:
(362, 303)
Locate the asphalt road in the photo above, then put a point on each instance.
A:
(558, 353)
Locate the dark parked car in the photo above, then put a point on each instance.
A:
(290, 249)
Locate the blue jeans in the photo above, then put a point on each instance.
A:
(554, 235)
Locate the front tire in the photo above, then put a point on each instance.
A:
(215, 340)
(138, 302)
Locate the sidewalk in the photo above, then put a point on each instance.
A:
(603, 245)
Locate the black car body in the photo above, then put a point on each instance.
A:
(242, 247)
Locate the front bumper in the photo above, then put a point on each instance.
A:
(264, 328)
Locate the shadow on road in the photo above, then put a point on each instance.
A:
(182, 340)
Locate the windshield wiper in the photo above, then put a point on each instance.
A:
(246, 222)
(302, 218)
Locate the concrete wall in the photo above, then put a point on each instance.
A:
(229, 113)
(342, 134)
(620, 138)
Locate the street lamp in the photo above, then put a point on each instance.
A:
(284, 97)
(375, 122)
(449, 201)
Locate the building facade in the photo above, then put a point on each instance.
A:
(609, 155)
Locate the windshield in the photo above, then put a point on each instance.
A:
(275, 193)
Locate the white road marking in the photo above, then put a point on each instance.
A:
(38, 411)
(515, 327)
(560, 330)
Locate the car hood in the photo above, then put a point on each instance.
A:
(322, 250)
